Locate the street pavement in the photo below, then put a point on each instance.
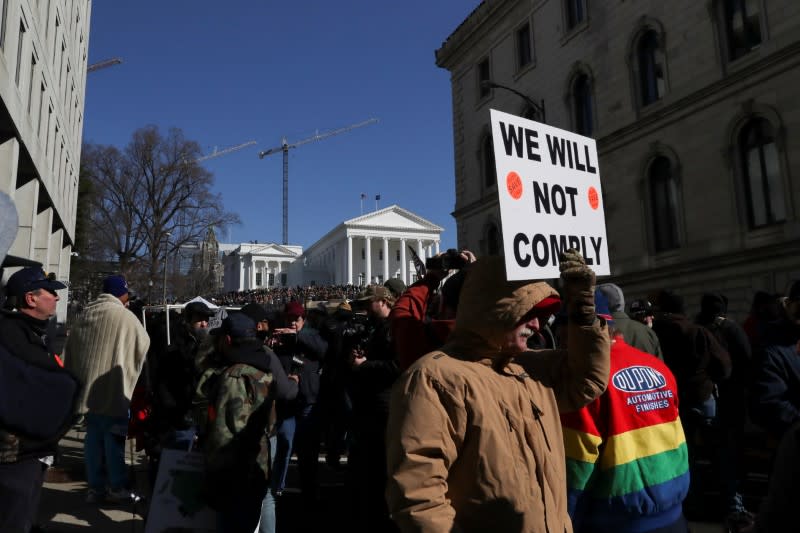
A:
(63, 507)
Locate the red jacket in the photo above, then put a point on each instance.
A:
(414, 337)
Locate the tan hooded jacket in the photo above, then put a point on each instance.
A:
(474, 439)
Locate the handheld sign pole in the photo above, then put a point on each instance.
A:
(548, 183)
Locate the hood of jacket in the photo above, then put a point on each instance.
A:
(489, 307)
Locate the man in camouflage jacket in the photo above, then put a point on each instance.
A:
(237, 446)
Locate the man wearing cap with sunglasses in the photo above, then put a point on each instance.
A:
(31, 302)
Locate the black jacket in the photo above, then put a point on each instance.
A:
(775, 390)
(372, 380)
(309, 347)
(732, 396)
(38, 396)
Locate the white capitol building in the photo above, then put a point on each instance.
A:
(368, 249)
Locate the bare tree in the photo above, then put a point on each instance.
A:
(149, 200)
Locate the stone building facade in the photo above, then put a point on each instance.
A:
(367, 249)
(43, 65)
(694, 110)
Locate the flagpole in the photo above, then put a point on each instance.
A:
(362, 203)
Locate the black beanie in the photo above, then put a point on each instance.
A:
(714, 304)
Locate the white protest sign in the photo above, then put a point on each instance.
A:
(548, 182)
(177, 503)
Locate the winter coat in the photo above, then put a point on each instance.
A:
(474, 441)
(413, 336)
(37, 396)
(627, 461)
(695, 358)
(637, 334)
(237, 447)
(106, 350)
(775, 390)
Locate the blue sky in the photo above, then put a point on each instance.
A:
(235, 71)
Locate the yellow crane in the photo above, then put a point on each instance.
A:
(284, 149)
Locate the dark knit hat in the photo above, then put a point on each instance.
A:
(237, 326)
(294, 309)
(115, 285)
(713, 304)
(198, 308)
(667, 301)
(256, 312)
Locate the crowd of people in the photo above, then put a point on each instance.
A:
(278, 296)
(464, 402)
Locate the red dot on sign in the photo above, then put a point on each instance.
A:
(594, 198)
(514, 185)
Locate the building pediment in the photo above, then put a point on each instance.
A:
(393, 218)
(271, 250)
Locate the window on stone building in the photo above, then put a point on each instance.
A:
(380, 255)
(575, 12)
(484, 74)
(742, 25)
(487, 159)
(20, 44)
(398, 255)
(363, 254)
(3, 13)
(663, 204)
(761, 173)
(524, 48)
(650, 61)
(583, 105)
(32, 83)
(258, 279)
(270, 280)
(284, 279)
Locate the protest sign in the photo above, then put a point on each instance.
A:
(177, 503)
(548, 182)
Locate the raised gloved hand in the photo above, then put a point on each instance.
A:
(579, 281)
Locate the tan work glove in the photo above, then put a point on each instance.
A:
(578, 280)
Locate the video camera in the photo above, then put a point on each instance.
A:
(450, 260)
(355, 332)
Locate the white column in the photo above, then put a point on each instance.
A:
(403, 262)
(349, 259)
(252, 274)
(278, 270)
(437, 246)
(240, 281)
(385, 259)
(421, 250)
(368, 255)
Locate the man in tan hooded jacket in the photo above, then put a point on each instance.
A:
(474, 436)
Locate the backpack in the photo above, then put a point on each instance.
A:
(204, 400)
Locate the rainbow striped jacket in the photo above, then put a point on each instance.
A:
(627, 464)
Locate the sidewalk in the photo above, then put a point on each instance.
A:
(63, 506)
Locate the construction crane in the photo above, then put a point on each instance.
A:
(285, 147)
(104, 64)
(217, 153)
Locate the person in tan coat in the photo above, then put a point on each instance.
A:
(474, 436)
